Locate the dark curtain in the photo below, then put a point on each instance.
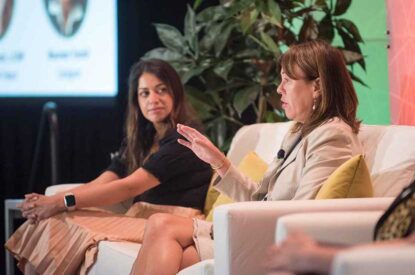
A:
(88, 129)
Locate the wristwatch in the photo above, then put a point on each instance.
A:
(70, 202)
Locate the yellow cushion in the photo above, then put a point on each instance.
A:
(211, 196)
(252, 166)
(350, 180)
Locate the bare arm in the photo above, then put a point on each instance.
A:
(105, 177)
(39, 207)
(115, 191)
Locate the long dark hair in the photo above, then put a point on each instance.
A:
(140, 132)
(318, 59)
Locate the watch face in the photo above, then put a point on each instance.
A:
(70, 200)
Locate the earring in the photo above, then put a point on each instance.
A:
(314, 104)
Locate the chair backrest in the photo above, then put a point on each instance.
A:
(263, 138)
(390, 156)
(389, 151)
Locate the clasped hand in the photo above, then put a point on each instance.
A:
(36, 207)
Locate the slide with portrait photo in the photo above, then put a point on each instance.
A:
(58, 48)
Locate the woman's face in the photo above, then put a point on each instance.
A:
(154, 98)
(297, 95)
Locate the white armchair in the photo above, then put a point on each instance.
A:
(243, 231)
(350, 228)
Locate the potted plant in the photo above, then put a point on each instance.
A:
(227, 55)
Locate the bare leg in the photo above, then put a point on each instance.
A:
(167, 247)
(190, 257)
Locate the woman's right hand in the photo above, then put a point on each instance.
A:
(37, 207)
(299, 253)
(203, 148)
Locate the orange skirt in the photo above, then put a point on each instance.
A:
(67, 243)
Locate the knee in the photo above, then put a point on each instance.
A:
(160, 225)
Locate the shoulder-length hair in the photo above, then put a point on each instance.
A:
(140, 131)
(318, 59)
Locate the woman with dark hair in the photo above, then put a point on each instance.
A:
(317, 93)
(151, 166)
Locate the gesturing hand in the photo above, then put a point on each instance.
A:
(202, 147)
(37, 207)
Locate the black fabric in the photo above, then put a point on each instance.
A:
(399, 219)
(118, 162)
(184, 178)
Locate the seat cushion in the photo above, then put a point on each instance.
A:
(115, 258)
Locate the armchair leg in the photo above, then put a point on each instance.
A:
(11, 212)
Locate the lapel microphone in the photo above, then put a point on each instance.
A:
(281, 154)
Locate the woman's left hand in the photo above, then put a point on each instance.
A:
(37, 207)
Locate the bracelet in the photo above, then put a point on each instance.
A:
(216, 167)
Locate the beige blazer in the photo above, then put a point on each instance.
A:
(301, 175)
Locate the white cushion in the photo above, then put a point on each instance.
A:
(340, 228)
(390, 156)
(270, 142)
(115, 258)
(263, 138)
(376, 261)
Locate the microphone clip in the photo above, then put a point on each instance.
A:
(281, 154)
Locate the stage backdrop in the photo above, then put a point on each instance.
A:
(401, 25)
(370, 18)
(387, 28)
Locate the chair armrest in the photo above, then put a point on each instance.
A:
(59, 188)
(205, 267)
(243, 231)
(119, 208)
(340, 228)
(376, 260)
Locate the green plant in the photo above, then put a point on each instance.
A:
(227, 55)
